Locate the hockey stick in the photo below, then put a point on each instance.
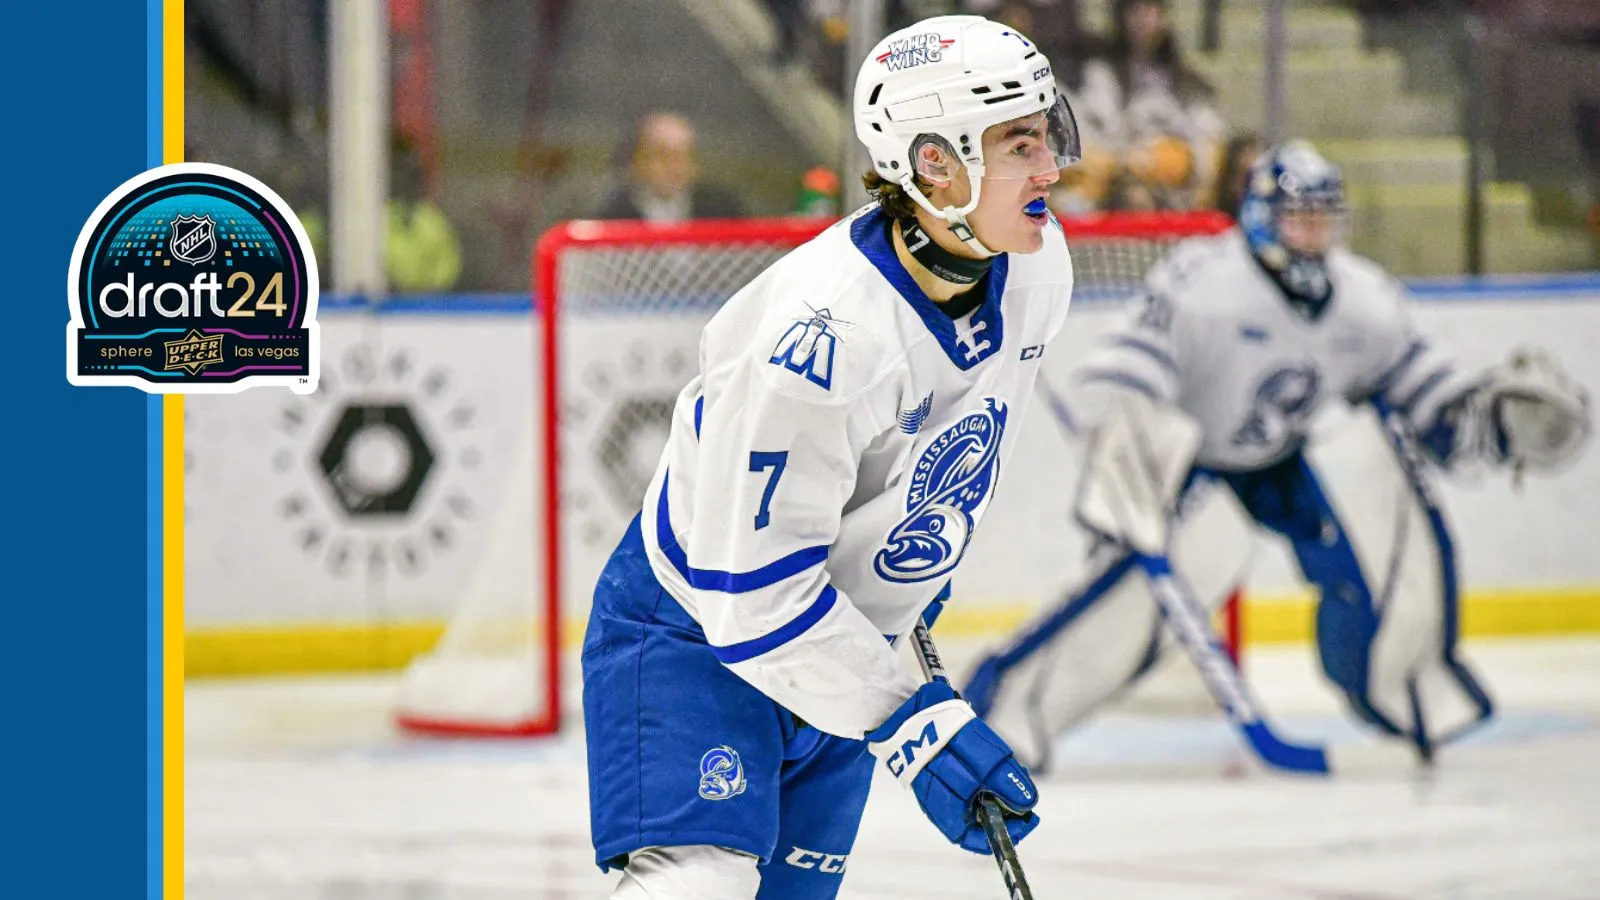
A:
(1187, 619)
(989, 813)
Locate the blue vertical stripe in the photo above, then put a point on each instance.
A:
(153, 110)
(155, 759)
(77, 559)
(154, 646)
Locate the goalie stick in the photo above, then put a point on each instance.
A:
(989, 814)
(1187, 620)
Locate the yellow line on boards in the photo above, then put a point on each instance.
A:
(305, 647)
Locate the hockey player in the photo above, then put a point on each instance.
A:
(1241, 339)
(822, 477)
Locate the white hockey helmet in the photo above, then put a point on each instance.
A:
(946, 79)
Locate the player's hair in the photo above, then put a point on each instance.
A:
(896, 203)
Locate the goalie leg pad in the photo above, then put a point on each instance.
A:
(1078, 651)
(1386, 616)
(1084, 650)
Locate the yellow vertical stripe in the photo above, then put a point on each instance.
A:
(172, 504)
(172, 81)
(172, 637)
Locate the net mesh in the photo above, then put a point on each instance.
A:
(630, 303)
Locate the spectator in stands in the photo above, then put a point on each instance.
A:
(1588, 119)
(1151, 133)
(819, 193)
(421, 251)
(1055, 25)
(1234, 169)
(789, 24)
(662, 179)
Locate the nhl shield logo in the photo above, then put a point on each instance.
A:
(193, 239)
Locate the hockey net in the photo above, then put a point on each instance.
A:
(618, 312)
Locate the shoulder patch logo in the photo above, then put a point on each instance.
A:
(721, 774)
(807, 348)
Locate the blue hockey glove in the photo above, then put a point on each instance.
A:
(936, 746)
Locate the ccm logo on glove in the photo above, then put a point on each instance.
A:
(907, 754)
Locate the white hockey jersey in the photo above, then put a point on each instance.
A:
(828, 465)
(1216, 337)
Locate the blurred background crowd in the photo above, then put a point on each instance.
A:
(1469, 130)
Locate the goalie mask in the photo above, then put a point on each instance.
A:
(926, 93)
(1292, 215)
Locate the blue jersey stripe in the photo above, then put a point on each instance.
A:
(1388, 379)
(1117, 376)
(728, 582)
(1148, 349)
(783, 634)
(1433, 381)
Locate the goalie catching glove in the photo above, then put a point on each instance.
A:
(935, 745)
(1527, 415)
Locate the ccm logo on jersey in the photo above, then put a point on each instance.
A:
(907, 754)
(1034, 352)
(831, 863)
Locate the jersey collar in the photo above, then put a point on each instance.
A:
(870, 232)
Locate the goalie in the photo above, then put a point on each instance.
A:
(1241, 340)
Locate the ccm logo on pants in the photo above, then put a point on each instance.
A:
(801, 858)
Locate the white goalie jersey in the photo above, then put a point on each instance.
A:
(827, 467)
(1217, 339)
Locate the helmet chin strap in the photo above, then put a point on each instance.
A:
(960, 228)
(956, 217)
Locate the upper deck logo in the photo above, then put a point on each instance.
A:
(193, 278)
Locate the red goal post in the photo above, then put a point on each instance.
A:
(621, 303)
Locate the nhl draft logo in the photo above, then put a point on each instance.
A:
(193, 278)
(193, 239)
(950, 487)
(721, 774)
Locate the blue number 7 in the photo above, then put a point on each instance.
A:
(760, 461)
